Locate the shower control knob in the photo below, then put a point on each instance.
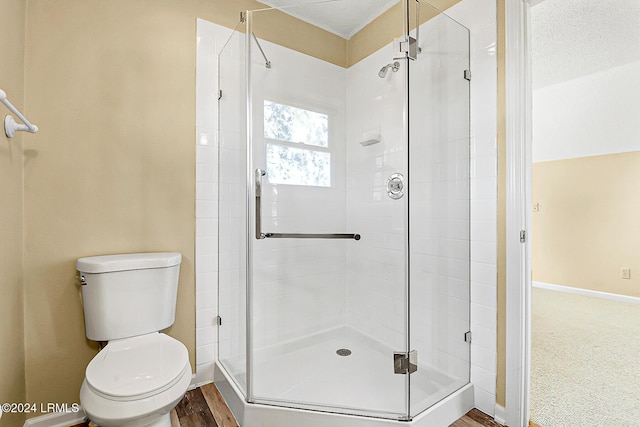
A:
(395, 186)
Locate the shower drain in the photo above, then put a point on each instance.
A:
(343, 352)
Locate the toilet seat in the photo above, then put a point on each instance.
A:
(107, 412)
(138, 367)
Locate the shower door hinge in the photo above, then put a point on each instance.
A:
(243, 17)
(409, 48)
(218, 320)
(219, 94)
(405, 363)
(467, 75)
(523, 236)
(467, 337)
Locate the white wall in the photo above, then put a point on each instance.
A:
(588, 116)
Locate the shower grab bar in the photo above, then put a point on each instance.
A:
(10, 125)
(260, 235)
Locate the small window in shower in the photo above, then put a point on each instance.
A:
(297, 145)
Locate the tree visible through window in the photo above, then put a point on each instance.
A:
(297, 145)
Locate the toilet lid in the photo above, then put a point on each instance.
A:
(138, 365)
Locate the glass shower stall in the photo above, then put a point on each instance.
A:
(344, 208)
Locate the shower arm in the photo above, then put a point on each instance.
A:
(259, 173)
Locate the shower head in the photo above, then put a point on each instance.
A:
(384, 70)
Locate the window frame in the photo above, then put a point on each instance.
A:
(329, 149)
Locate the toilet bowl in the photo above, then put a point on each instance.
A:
(141, 374)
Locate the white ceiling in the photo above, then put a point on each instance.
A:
(341, 17)
(573, 38)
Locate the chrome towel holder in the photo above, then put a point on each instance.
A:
(10, 125)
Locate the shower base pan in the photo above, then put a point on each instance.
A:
(334, 370)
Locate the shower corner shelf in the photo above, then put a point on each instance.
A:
(371, 137)
(369, 142)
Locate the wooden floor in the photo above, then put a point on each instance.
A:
(476, 418)
(205, 407)
(201, 407)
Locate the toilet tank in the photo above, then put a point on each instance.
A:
(128, 295)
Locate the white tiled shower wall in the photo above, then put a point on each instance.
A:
(375, 293)
(479, 16)
(299, 283)
(439, 200)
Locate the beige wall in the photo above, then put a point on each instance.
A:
(111, 85)
(298, 35)
(12, 388)
(587, 228)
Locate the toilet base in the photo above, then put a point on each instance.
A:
(164, 421)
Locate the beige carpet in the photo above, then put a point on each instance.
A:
(585, 361)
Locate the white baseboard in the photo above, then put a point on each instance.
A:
(500, 415)
(204, 374)
(57, 419)
(587, 292)
(194, 383)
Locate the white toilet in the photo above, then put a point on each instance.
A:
(141, 374)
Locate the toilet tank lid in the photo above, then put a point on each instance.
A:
(124, 262)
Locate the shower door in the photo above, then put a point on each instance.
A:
(439, 166)
(328, 290)
(232, 208)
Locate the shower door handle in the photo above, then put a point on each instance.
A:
(311, 236)
(259, 173)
